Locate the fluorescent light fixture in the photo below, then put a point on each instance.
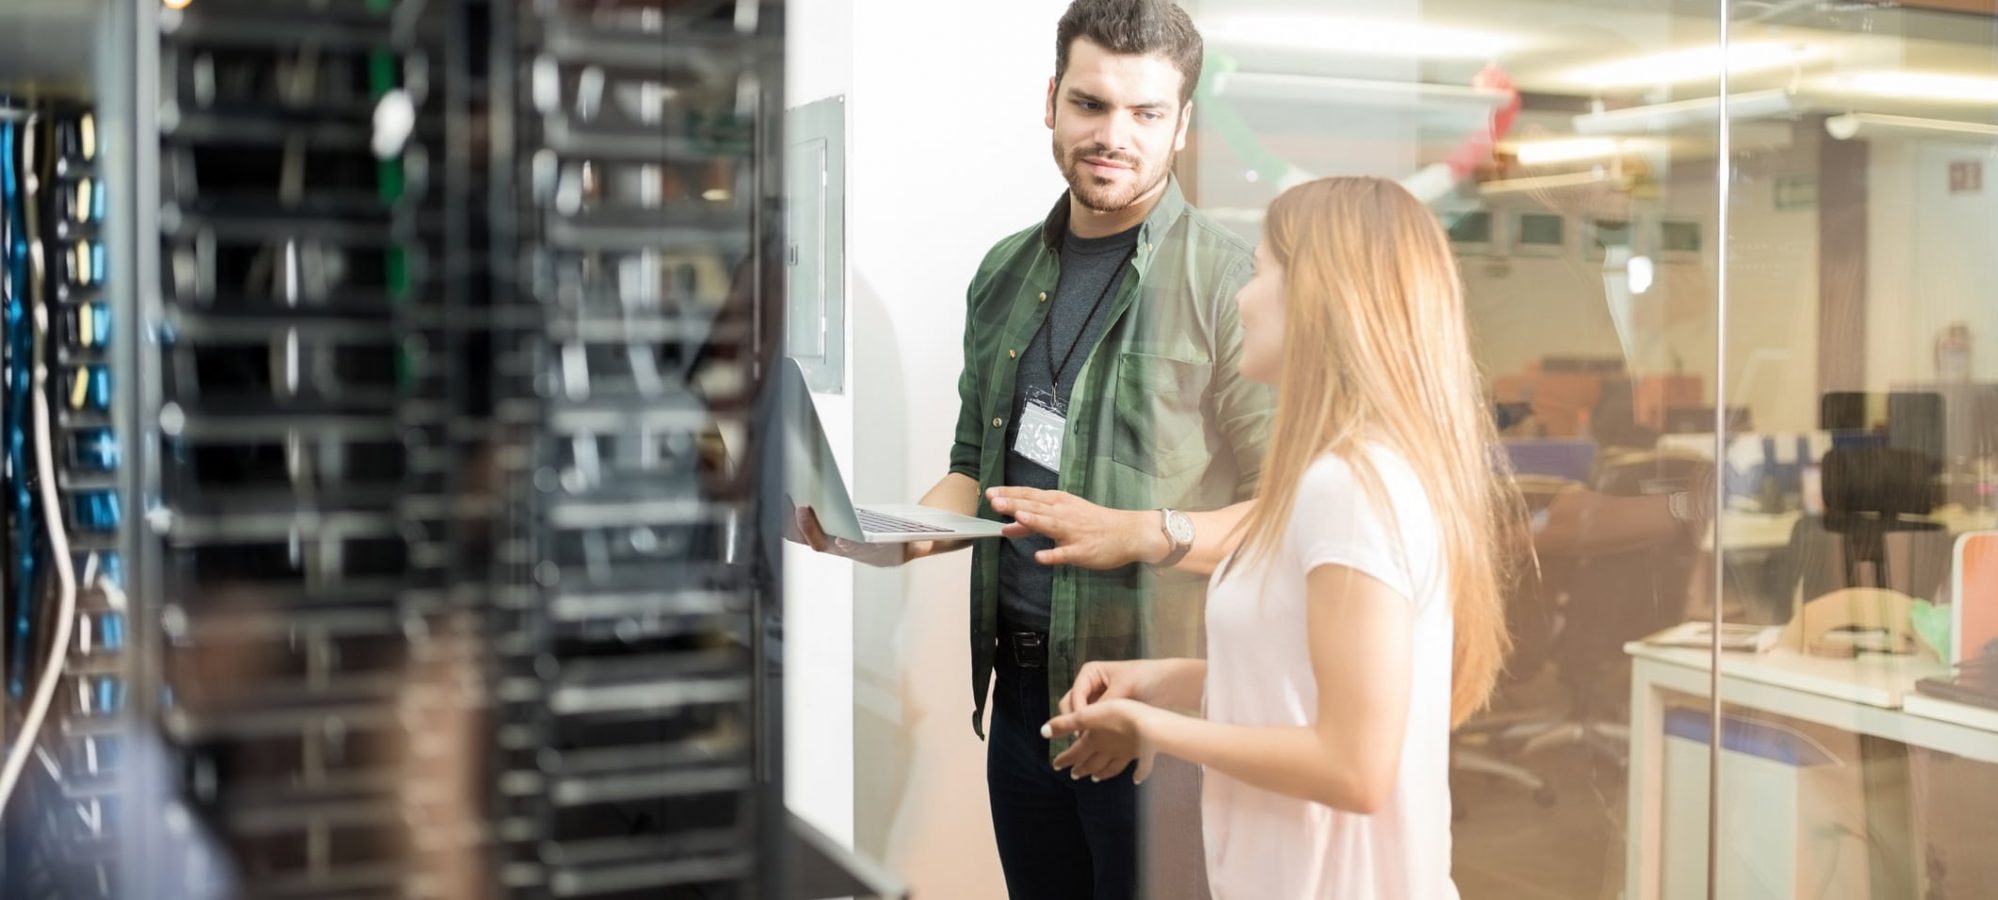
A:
(1852, 125)
(1535, 153)
(1693, 64)
(1640, 273)
(1554, 182)
(1685, 113)
(1367, 37)
(1352, 91)
(1935, 86)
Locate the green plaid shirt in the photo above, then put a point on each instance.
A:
(1160, 417)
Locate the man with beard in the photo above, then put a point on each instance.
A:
(1100, 351)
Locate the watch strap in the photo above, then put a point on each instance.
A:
(1179, 550)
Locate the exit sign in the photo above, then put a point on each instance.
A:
(1966, 176)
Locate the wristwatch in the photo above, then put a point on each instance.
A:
(1684, 514)
(1179, 533)
(1680, 505)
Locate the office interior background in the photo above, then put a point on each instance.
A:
(385, 522)
(1816, 264)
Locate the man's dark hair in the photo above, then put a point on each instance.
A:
(1134, 27)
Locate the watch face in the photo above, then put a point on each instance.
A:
(1180, 527)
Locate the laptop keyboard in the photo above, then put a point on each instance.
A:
(876, 523)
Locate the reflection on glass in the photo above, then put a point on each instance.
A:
(1857, 488)
(1581, 230)
(1812, 465)
(1472, 229)
(1679, 237)
(1540, 234)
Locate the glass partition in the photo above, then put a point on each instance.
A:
(1858, 483)
(1586, 236)
(1728, 272)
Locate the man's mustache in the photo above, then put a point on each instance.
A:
(1102, 153)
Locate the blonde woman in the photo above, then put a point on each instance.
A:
(1359, 617)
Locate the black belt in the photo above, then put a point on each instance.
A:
(1023, 649)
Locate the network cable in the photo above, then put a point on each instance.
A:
(65, 621)
(7, 115)
(20, 348)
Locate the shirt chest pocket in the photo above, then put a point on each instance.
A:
(1159, 414)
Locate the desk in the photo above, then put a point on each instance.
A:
(1755, 531)
(1871, 695)
(1743, 531)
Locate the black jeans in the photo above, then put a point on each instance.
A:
(1058, 838)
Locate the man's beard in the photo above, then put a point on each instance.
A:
(1097, 193)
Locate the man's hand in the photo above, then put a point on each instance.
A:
(1111, 737)
(1085, 535)
(1566, 520)
(803, 528)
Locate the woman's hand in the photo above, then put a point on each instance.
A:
(1110, 736)
(1099, 681)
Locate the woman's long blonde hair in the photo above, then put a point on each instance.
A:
(1377, 350)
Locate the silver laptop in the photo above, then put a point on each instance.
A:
(811, 478)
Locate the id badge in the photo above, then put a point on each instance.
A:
(1042, 427)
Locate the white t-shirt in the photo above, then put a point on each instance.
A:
(1266, 846)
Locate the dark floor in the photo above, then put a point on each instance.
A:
(1509, 847)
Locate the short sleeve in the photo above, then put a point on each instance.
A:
(1334, 523)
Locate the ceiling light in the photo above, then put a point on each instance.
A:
(1370, 37)
(1534, 153)
(1555, 182)
(1920, 86)
(1693, 64)
(1686, 113)
(1640, 273)
(1853, 125)
(1352, 91)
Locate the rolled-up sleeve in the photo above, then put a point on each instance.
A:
(1242, 407)
(969, 444)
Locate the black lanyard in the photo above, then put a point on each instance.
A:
(1054, 370)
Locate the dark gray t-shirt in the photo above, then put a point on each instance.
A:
(1091, 270)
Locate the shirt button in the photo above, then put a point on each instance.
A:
(1012, 354)
(997, 422)
(1044, 296)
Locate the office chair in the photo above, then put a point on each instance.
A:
(1611, 599)
(1487, 744)
(1872, 533)
(1870, 493)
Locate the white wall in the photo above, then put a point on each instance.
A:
(1932, 259)
(1929, 263)
(946, 155)
(1773, 301)
(949, 155)
(818, 590)
(1527, 308)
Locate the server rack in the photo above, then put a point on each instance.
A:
(301, 239)
(635, 255)
(404, 362)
